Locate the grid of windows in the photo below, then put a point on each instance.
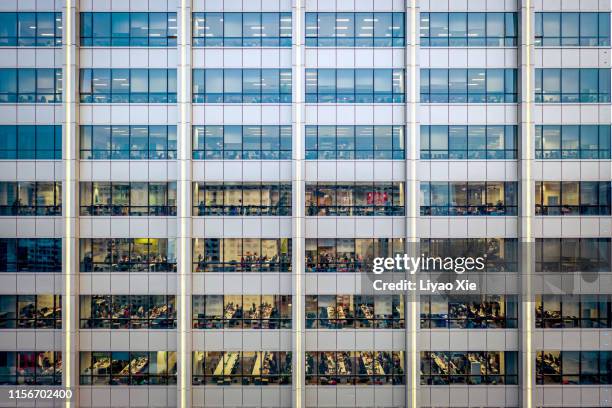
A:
(241, 367)
(355, 367)
(469, 367)
(241, 255)
(250, 199)
(354, 199)
(127, 312)
(249, 142)
(242, 29)
(31, 311)
(572, 198)
(460, 142)
(30, 198)
(354, 311)
(234, 85)
(127, 255)
(572, 142)
(129, 85)
(474, 85)
(241, 311)
(573, 311)
(573, 367)
(31, 29)
(128, 29)
(469, 29)
(128, 367)
(30, 367)
(572, 85)
(572, 29)
(380, 85)
(135, 142)
(355, 142)
(458, 198)
(355, 29)
(128, 198)
(573, 255)
(469, 312)
(23, 142)
(30, 255)
(501, 254)
(349, 254)
(30, 85)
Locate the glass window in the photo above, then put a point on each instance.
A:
(128, 29)
(468, 142)
(354, 86)
(573, 29)
(572, 85)
(230, 255)
(128, 85)
(472, 85)
(242, 29)
(241, 85)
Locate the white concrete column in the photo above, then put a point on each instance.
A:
(298, 198)
(526, 204)
(412, 148)
(70, 204)
(183, 185)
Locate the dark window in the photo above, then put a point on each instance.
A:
(31, 367)
(31, 198)
(128, 367)
(573, 255)
(469, 312)
(354, 311)
(242, 199)
(127, 312)
(128, 198)
(469, 367)
(30, 254)
(241, 367)
(501, 254)
(355, 367)
(241, 311)
(573, 367)
(127, 255)
(241, 255)
(355, 199)
(30, 311)
(471, 198)
(349, 254)
(573, 311)
(572, 198)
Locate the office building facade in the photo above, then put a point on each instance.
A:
(191, 192)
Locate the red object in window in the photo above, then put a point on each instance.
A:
(377, 198)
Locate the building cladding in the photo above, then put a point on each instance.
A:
(191, 190)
